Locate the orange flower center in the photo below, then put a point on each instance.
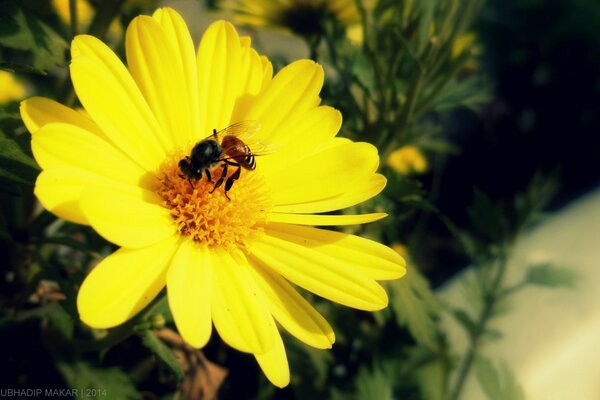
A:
(211, 218)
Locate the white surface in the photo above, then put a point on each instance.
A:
(551, 337)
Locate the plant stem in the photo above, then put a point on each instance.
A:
(73, 17)
(489, 301)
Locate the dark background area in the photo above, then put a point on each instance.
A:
(543, 59)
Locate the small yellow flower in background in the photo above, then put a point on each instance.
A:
(400, 249)
(85, 15)
(466, 42)
(226, 258)
(302, 17)
(407, 160)
(11, 89)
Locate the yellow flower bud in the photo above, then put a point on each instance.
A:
(407, 160)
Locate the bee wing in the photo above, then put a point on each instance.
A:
(262, 148)
(243, 130)
(246, 131)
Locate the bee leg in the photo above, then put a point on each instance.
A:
(234, 177)
(207, 172)
(221, 178)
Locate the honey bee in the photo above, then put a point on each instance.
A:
(224, 148)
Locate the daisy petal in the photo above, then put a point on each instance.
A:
(123, 284)
(317, 126)
(323, 175)
(178, 35)
(59, 190)
(131, 220)
(319, 272)
(251, 68)
(111, 97)
(294, 90)
(189, 290)
(325, 220)
(239, 314)
(219, 81)
(39, 111)
(156, 67)
(362, 189)
(63, 145)
(367, 257)
(291, 310)
(274, 363)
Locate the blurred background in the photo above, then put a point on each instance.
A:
(504, 178)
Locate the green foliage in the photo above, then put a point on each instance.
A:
(27, 43)
(15, 165)
(373, 384)
(415, 307)
(488, 218)
(162, 352)
(98, 381)
(550, 276)
(497, 381)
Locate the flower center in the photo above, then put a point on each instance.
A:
(212, 218)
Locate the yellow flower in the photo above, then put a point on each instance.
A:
(303, 17)
(227, 262)
(463, 43)
(10, 88)
(407, 160)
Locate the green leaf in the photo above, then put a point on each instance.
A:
(472, 93)
(108, 383)
(372, 384)
(465, 320)
(548, 275)
(15, 165)
(29, 38)
(415, 307)
(540, 190)
(60, 319)
(162, 352)
(497, 381)
(431, 379)
(488, 218)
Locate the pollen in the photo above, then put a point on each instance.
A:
(211, 218)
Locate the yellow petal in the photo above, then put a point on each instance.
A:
(291, 310)
(189, 289)
(239, 314)
(219, 81)
(317, 126)
(251, 71)
(178, 35)
(123, 284)
(322, 175)
(294, 90)
(325, 220)
(59, 190)
(319, 272)
(274, 362)
(111, 97)
(39, 111)
(131, 220)
(63, 145)
(362, 189)
(267, 71)
(156, 67)
(367, 257)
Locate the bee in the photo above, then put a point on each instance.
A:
(224, 148)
